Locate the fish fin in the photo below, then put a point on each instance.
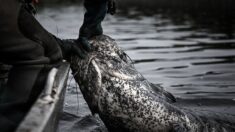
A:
(170, 97)
(179, 127)
(160, 90)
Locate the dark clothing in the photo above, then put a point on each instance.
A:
(95, 14)
(23, 40)
(29, 48)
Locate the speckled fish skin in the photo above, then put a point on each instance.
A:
(127, 102)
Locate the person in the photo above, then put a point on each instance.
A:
(94, 15)
(32, 51)
(30, 58)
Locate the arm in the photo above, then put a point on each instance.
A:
(95, 14)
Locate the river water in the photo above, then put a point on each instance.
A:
(192, 57)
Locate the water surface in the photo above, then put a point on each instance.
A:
(192, 57)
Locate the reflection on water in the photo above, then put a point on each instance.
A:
(189, 55)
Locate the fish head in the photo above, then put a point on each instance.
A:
(106, 60)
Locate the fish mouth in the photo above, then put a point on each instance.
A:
(92, 61)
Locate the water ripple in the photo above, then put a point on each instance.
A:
(166, 49)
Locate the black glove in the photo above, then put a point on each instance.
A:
(29, 6)
(112, 7)
(83, 41)
(28, 1)
(70, 47)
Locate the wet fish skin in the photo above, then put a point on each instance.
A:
(126, 101)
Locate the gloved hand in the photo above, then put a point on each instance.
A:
(83, 41)
(112, 7)
(32, 1)
(70, 47)
(29, 6)
(95, 14)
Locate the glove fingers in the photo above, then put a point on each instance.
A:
(111, 7)
(78, 51)
(85, 44)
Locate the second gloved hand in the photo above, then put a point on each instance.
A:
(70, 47)
(112, 7)
(83, 42)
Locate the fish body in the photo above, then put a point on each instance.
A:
(127, 102)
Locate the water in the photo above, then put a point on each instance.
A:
(191, 56)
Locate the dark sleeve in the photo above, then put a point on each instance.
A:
(94, 15)
(15, 47)
(33, 30)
